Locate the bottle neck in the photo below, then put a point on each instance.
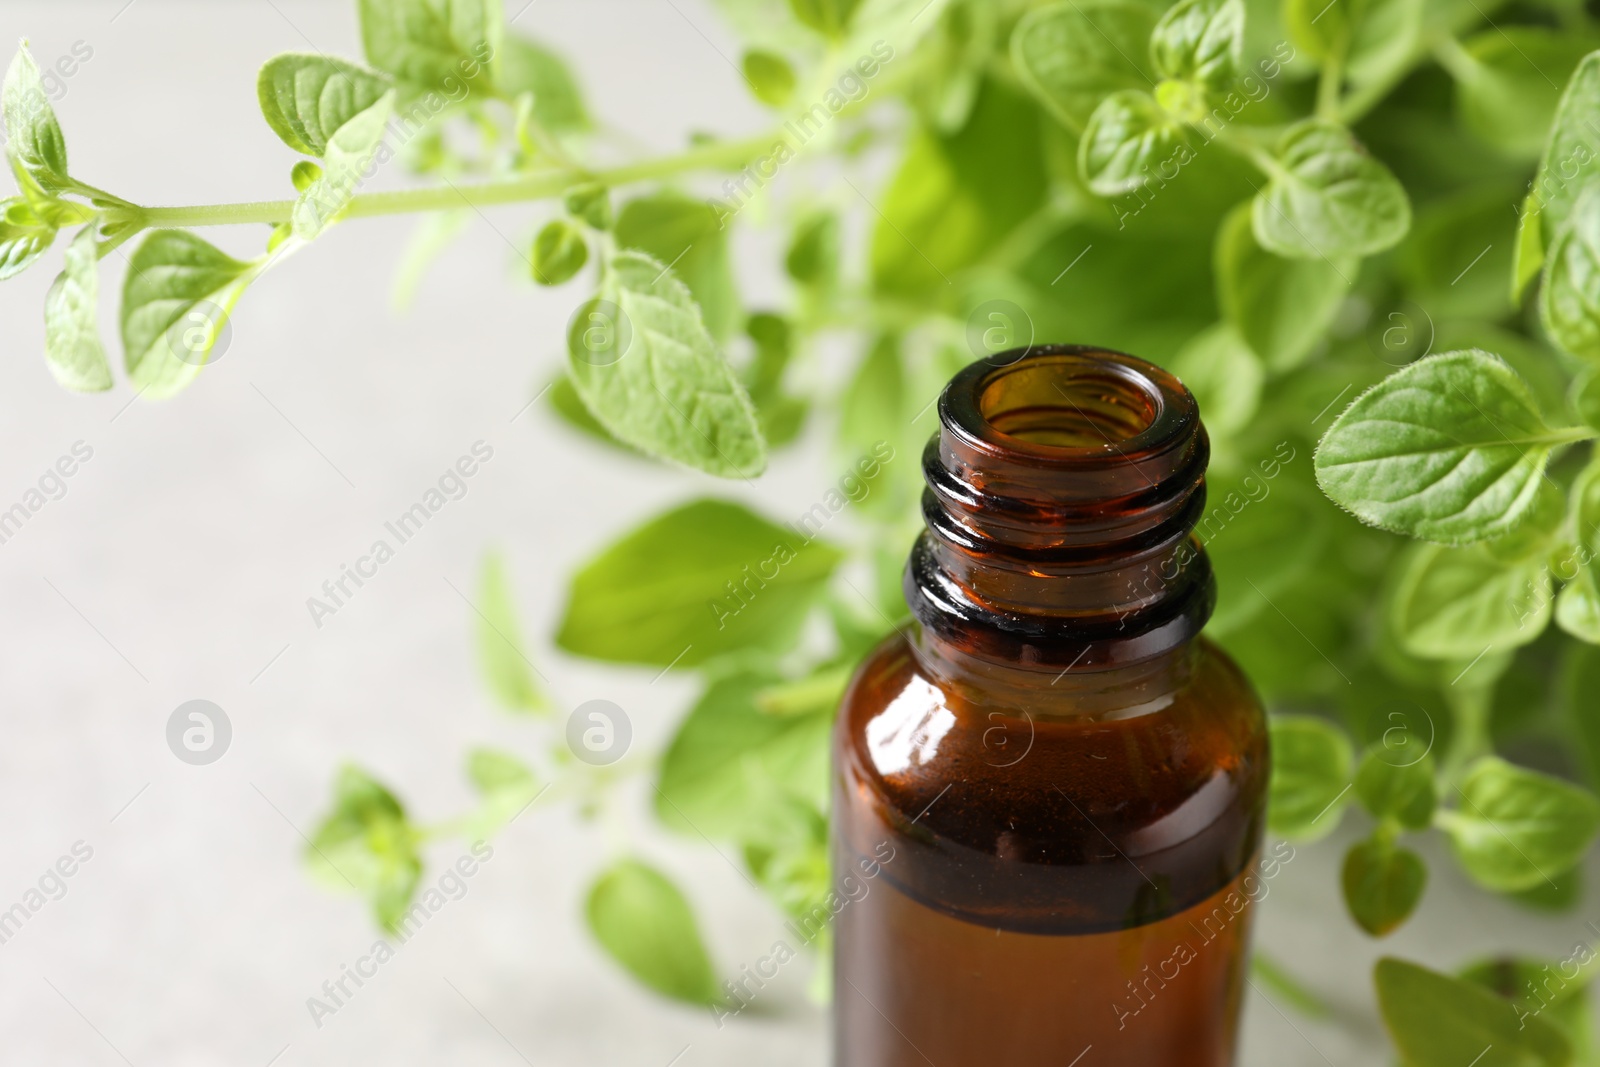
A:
(1063, 489)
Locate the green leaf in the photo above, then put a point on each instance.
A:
(1328, 197)
(1281, 307)
(1450, 448)
(347, 157)
(24, 237)
(1569, 302)
(72, 320)
(956, 196)
(525, 66)
(506, 785)
(687, 233)
(703, 580)
(34, 145)
(366, 845)
(559, 252)
(1453, 603)
(1528, 253)
(873, 407)
(1200, 41)
(1262, 534)
(1507, 82)
(1382, 885)
(307, 98)
(591, 204)
(828, 17)
(813, 255)
(1374, 37)
(1571, 148)
(730, 761)
(439, 46)
(648, 371)
(1311, 761)
(1396, 783)
(1515, 828)
(506, 668)
(769, 76)
(169, 277)
(1439, 1021)
(1224, 376)
(1072, 56)
(1578, 607)
(642, 920)
(1130, 139)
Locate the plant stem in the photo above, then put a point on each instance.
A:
(540, 186)
(1332, 81)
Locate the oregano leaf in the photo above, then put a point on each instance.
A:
(307, 98)
(643, 921)
(436, 46)
(24, 236)
(1453, 603)
(366, 844)
(1571, 148)
(72, 320)
(1513, 828)
(1128, 134)
(1450, 448)
(34, 145)
(648, 370)
(1200, 41)
(1311, 763)
(1440, 1021)
(1328, 197)
(1073, 55)
(349, 153)
(1569, 302)
(1281, 307)
(170, 275)
(505, 664)
(1382, 885)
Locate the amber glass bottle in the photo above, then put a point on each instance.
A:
(1050, 790)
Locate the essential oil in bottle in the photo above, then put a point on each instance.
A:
(1050, 790)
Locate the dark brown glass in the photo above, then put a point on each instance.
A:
(1050, 791)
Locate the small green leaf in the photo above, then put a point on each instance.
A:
(525, 66)
(506, 785)
(1072, 56)
(642, 920)
(650, 374)
(559, 252)
(169, 277)
(1382, 885)
(591, 204)
(1311, 761)
(1373, 37)
(506, 667)
(307, 98)
(348, 155)
(1200, 41)
(1224, 376)
(366, 845)
(1281, 307)
(873, 407)
(1569, 302)
(438, 46)
(1514, 828)
(1439, 1021)
(1328, 197)
(1450, 448)
(24, 237)
(1571, 148)
(72, 320)
(1452, 603)
(1578, 607)
(1129, 141)
(828, 17)
(729, 760)
(1528, 254)
(687, 233)
(769, 76)
(703, 580)
(35, 146)
(1396, 783)
(813, 256)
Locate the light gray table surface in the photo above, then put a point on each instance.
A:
(178, 563)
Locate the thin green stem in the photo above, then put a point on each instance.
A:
(540, 186)
(1331, 84)
(1469, 739)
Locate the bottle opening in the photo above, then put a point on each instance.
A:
(1070, 401)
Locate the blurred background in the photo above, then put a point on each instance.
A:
(177, 565)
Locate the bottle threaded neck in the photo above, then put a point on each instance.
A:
(1063, 489)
